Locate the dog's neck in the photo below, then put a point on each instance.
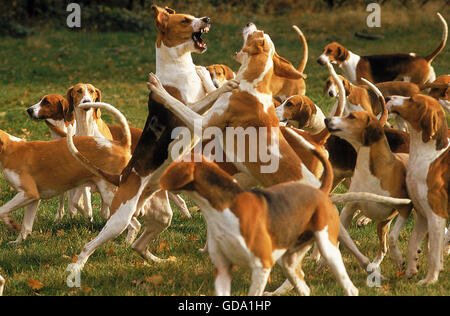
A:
(86, 125)
(175, 68)
(349, 67)
(420, 151)
(6, 141)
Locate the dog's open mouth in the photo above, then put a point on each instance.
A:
(198, 40)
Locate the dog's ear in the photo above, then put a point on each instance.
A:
(434, 126)
(161, 18)
(169, 10)
(373, 131)
(98, 95)
(342, 54)
(347, 85)
(283, 68)
(177, 176)
(70, 97)
(66, 109)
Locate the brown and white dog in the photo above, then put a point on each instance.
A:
(45, 169)
(258, 228)
(440, 90)
(220, 74)
(377, 171)
(179, 35)
(383, 68)
(427, 178)
(281, 86)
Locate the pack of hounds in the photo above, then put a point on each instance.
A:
(386, 140)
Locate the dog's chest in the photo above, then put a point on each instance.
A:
(364, 181)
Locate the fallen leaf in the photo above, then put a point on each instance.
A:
(192, 237)
(163, 246)
(60, 232)
(86, 290)
(35, 284)
(110, 252)
(154, 279)
(172, 259)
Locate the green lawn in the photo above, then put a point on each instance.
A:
(118, 64)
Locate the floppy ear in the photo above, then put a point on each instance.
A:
(305, 115)
(347, 85)
(429, 124)
(67, 110)
(372, 133)
(342, 54)
(98, 97)
(70, 97)
(283, 68)
(177, 176)
(169, 10)
(161, 18)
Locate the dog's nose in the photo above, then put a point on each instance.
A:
(387, 99)
(30, 111)
(327, 121)
(320, 61)
(249, 24)
(206, 20)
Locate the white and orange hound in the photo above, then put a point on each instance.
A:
(377, 171)
(427, 178)
(220, 74)
(257, 228)
(382, 68)
(45, 169)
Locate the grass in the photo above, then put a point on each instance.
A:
(118, 64)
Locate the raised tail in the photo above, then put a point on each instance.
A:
(368, 197)
(385, 112)
(304, 62)
(441, 46)
(327, 181)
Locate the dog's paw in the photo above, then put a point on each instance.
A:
(363, 221)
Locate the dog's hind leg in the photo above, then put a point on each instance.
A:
(291, 263)
(447, 243)
(60, 213)
(158, 217)
(19, 200)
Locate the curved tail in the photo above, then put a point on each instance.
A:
(126, 134)
(304, 62)
(327, 181)
(125, 142)
(385, 112)
(441, 46)
(342, 94)
(368, 197)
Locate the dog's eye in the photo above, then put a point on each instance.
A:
(351, 117)
(91, 91)
(289, 104)
(44, 102)
(79, 91)
(186, 21)
(328, 51)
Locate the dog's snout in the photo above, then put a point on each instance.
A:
(206, 20)
(30, 111)
(320, 61)
(327, 121)
(249, 24)
(387, 99)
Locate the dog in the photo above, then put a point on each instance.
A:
(45, 169)
(378, 171)
(281, 86)
(440, 90)
(256, 228)
(220, 74)
(383, 68)
(427, 178)
(179, 35)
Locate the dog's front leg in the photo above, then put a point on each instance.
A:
(205, 77)
(205, 104)
(260, 276)
(2, 285)
(27, 224)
